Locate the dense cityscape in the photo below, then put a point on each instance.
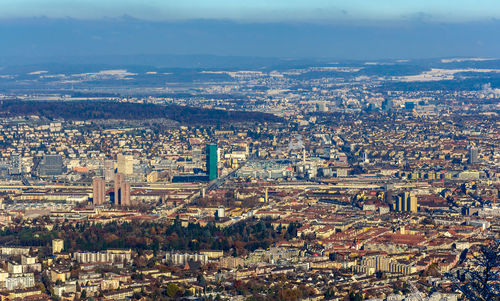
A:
(341, 181)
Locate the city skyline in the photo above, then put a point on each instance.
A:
(249, 151)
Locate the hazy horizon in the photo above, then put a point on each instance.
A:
(33, 31)
(257, 10)
(417, 39)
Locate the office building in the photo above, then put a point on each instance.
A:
(15, 167)
(51, 165)
(409, 105)
(125, 164)
(122, 190)
(197, 155)
(99, 191)
(387, 105)
(211, 161)
(473, 155)
(109, 170)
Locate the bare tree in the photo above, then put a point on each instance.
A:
(480, 282)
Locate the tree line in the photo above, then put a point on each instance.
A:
(92, 110)
(240, 238)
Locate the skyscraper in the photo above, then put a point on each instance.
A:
(99, 191)
(109, 170)
(197, 155)
(387, 105)
(125, 194)
(473, 155)
(122, 190)
(211, 161)
(125, 164)
(399, 204)
(406, 202)
(119, 178)
(411, 202)
(15, 167)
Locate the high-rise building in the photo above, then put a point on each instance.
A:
(406, 202)
(51, 165)
(211, 161)
(387, 105)
(388, 187)
(99, 190)
(15, 167)
(119, 178)
(122, 190)
(125, 194)
(409, 105)
(399, 204)
(322, 107)
(197, 155)
(109, 170)
(221, 212)
(411, 202)
(473, 155)
(365, 157)
(57, 246)
(125, 164)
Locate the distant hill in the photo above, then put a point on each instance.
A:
(92, 110)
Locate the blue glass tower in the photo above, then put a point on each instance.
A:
(211, 161)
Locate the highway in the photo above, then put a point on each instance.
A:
(157, 186)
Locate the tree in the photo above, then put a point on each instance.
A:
(172, 290)
(480, 281)
(355, 296)
(330, 292)
(380, 275)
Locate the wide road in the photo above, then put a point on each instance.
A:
(154, 186)
(220, 181)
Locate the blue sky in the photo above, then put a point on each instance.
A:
(258, 10)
